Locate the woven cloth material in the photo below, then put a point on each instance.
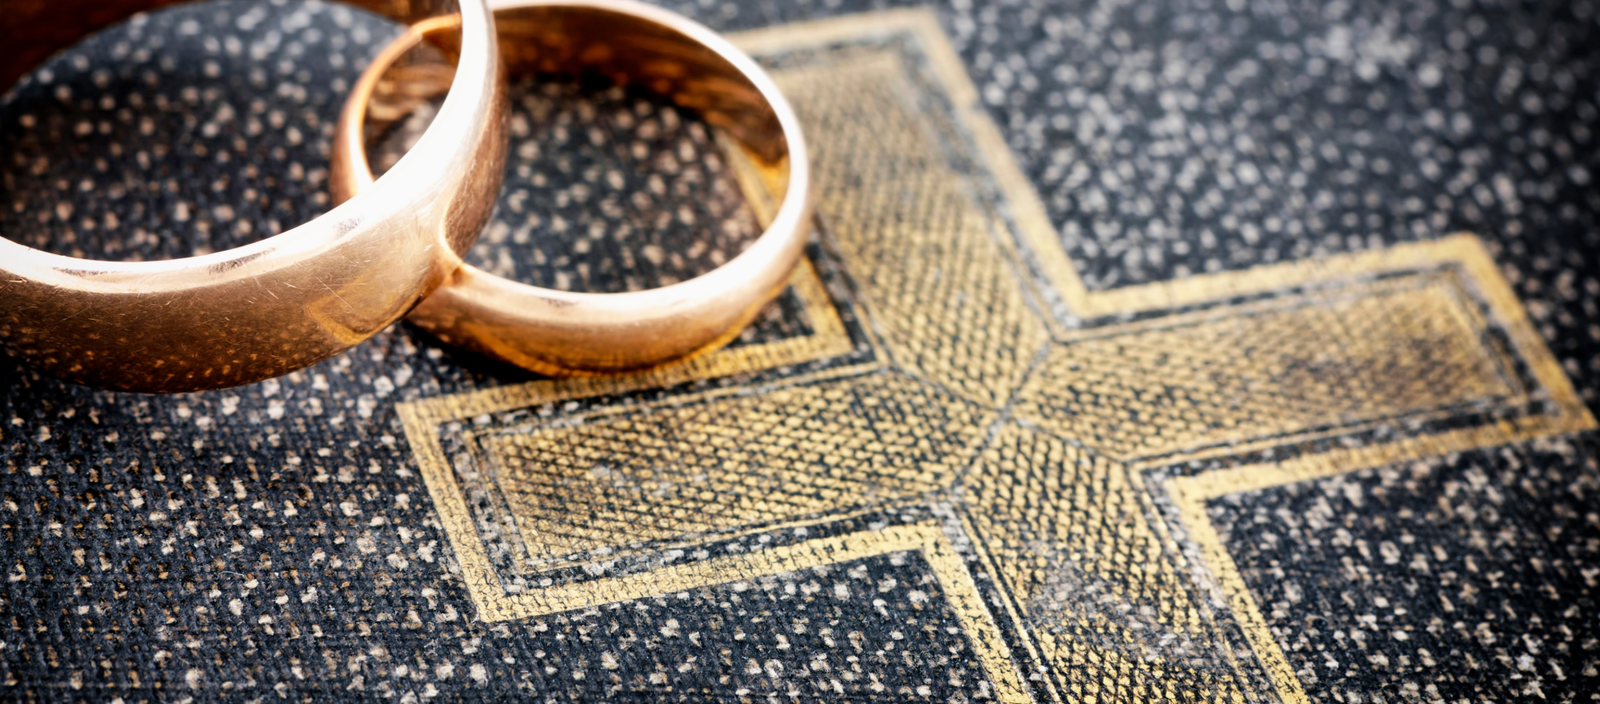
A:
(1153, 352)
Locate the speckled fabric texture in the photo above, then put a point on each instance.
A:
(1139, 354)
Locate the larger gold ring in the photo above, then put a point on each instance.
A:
(281, 304)
(560, 332)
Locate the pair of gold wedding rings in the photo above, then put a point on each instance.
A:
(394, 245)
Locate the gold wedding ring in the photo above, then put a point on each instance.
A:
(284, 303)
(559, 332)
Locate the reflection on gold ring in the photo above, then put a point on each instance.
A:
(564, 333)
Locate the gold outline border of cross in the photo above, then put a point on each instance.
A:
(1054, 293)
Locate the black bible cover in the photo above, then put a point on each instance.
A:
(1197, 351)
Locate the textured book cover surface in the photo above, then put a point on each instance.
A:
(1199, 351)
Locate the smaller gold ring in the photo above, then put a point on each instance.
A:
(564, 333)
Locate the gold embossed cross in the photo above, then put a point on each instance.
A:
(958, 395)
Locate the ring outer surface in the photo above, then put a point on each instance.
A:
(563, 333)
(288, 301)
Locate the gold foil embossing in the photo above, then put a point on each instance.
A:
(1033, 420)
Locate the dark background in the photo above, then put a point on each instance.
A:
(274, 540)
